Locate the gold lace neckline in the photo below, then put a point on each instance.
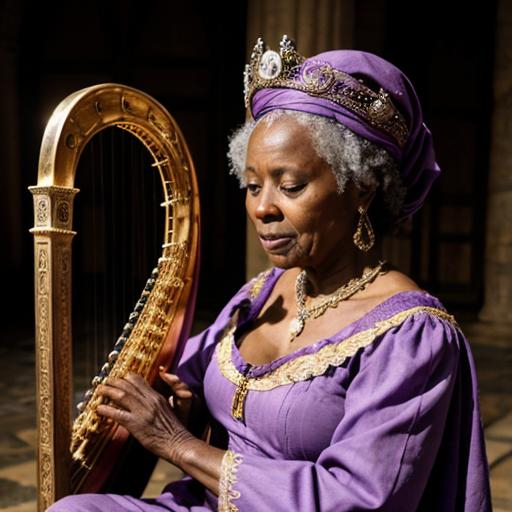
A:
(301, 366)
(308, 365)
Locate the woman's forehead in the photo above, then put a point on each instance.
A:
(284, 136)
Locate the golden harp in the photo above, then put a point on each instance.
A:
(81, 456)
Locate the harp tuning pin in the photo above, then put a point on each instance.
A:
(112, 357)
(134, 316)
(81, 406)
(120, 343)
(154, 272)
(105, 369)
(140, 306)
(88, 395)
(96, 380)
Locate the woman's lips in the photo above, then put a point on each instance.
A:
(275, 243)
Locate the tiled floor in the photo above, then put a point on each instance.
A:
(492, 348)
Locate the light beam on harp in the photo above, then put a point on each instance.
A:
(81, 456)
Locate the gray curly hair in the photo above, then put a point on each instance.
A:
(350, 156)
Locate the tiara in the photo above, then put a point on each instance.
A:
(288, 69)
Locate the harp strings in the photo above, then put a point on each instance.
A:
(120, 232)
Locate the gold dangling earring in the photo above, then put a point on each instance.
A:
(358, 238)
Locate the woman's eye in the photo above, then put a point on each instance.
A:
(293, 189)
(253, 188)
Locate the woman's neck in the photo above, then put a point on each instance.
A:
(328, 278)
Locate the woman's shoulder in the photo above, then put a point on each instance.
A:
(393, 281)
(405, 317)
(412, 323)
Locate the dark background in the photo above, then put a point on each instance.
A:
(190, 57)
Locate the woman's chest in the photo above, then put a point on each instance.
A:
(280, 332)
(292, 421)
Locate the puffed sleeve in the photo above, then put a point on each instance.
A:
(384, 448)
(198, 349)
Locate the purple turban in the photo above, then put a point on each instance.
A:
(416, 158)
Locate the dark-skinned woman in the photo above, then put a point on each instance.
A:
(333, 382)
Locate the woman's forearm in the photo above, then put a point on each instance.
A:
(202, 462)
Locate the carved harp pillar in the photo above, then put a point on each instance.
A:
(81, 456)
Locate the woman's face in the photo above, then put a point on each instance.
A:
(301, 219)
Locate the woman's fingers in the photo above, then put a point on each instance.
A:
(178, 387)
(119, 415)
(184, 393)
(126, 392)
(117, 395)
(169, 378)
(130, 383)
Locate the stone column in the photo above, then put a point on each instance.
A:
(316, 26)
(498, 251)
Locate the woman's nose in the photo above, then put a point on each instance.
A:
(267, 209)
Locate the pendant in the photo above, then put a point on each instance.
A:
(296, 327)
(237, 406)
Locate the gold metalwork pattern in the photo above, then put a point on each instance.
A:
(310, 365)
(44, 377)
(288, 69)
(137, 356)
(237, 407)
(228, 478)
(53, 337)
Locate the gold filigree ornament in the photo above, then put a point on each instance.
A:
(290, 70)
(227, 481)
(364, 222)
(318, 308)
(307, 366)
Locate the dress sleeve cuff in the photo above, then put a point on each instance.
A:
(228, 473)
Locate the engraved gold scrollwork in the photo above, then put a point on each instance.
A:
(44, 376)
(62, 212)
(43, 260)
(42, 211)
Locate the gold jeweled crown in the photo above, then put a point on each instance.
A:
(288, 69)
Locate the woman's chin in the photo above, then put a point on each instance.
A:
(284, 261)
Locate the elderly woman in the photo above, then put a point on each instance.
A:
(332, 381)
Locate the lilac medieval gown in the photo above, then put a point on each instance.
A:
(384, 415)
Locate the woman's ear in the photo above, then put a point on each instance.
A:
(366, 194)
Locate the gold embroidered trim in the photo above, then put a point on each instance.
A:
(257, 283)
(312, 365)
(228, 479)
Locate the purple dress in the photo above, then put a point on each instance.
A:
(383, 415)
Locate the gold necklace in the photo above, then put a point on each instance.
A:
(320, 307)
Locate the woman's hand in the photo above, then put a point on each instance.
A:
(188, 407)
(147, 415)
(181, 399)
